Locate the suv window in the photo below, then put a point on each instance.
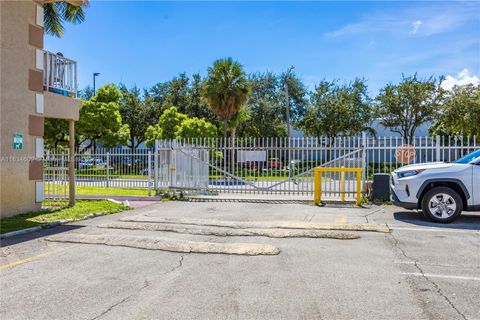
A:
(469, 157)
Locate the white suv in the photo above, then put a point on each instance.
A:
(441, 190)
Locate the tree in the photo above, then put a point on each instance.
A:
(297, 97)
(193, 128)
(404, 107)
(179, 93)
(86, 93)
(100, 119)
(167, 126)
(197, 105)
(338, 109)
(56, 13)
(267, 104)
(184, 94)
(159, 94)
(173, 124)
(136, 112)
(242, 116)
(265, 108)
(172, 93)
(264, 121)
(56, 132)
(226, 89)
(460, 114)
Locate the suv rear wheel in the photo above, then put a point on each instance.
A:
(442, 204)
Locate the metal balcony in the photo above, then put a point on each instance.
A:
(60, 74)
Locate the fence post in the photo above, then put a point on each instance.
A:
(317, 186)
(149, 179)
(155, 168)
(358, 188)
(172, 167)
(108, 169)
(364, 160)
(71, 164)
(342, 184)
(437, 148)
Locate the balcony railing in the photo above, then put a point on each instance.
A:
(59, 74)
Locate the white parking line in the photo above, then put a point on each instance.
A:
(444, 276)
(427, 229)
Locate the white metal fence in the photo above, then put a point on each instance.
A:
(381, 152)
(257, 165)
(113, 168)
(55, 179)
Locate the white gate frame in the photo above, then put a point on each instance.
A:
(179, 148)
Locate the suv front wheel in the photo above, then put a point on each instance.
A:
(442, 204)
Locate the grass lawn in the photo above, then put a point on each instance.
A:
(80, 210)
(101, 191)
(87, 190)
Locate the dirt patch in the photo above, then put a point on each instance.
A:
(224, 232)
(165, 244)
(263, 224)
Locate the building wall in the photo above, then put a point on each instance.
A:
(19, 171)
(61, 107)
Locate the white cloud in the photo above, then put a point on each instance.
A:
(427, 20)
(348, 29)
(416, 25)
(461, 79)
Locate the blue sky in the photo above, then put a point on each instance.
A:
(144, 43)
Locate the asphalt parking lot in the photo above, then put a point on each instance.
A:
(419, 270)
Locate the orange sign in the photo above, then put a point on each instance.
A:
(405, 154)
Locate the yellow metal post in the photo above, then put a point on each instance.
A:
(317, 179)
(359, 185)
(317, 184)
(342, 185)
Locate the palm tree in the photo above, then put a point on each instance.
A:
(241, 116)
(56, 13)
(244, 114)
(226, 89)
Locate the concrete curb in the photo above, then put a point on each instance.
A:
(49, 225)
(19, 232)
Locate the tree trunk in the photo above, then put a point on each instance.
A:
(232, 155)
(225, 128)
(225, 131)
(94, 154)
(132, 155)
(132, 145)
(328, 148)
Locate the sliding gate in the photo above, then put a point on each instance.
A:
(257, 166)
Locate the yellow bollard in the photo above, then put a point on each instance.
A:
(359, 186)
(342, 185)
(317, 183)
(317, 180)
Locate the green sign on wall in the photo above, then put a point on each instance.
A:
(17, 141)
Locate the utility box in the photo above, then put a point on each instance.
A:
(381, 187)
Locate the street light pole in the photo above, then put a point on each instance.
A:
(287, 103)
(287, 113)
(95, 74)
